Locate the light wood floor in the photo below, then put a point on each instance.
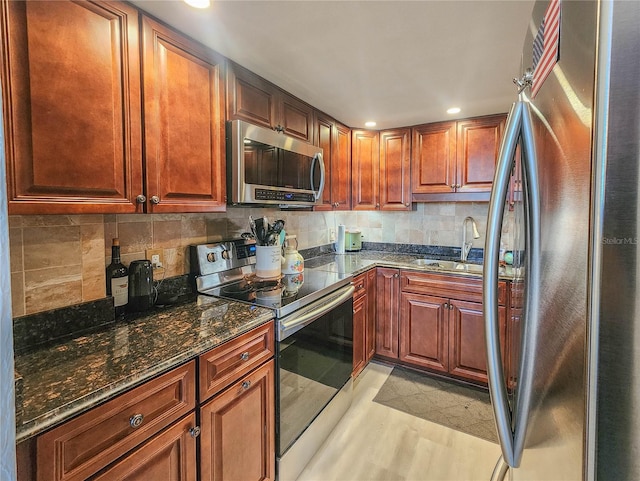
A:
(373, 442)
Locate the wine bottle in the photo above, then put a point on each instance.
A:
(117, 280)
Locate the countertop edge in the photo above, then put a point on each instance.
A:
(64, 413)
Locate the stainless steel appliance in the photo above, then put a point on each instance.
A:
(267, 167)
(573, 412)
(314, 342)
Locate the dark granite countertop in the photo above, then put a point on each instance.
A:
(355, 263)
(63, 380)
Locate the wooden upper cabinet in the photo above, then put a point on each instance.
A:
(183, 122)
(395, 169)
(335, 141)
(434, 158)
(478, 145)
(253, 99)
(381, 170)
(456, 160)
(71, 104)
(365, 170)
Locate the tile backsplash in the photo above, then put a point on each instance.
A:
(59, 260)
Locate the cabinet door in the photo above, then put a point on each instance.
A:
(341, 168)
(365, 170)
(324, 139)
(387, 315)
(79, 448)
(250, 97)
(478, 144)
(467, 351)
(238, 430)
(184, 123)
(395, 169)
(433, 164)
(71, 101)
(424, 331)
(359, 340)
(295, 117)
(370, 326)
(170, 456)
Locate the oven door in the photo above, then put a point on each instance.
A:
(314, 361)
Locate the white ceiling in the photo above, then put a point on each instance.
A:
(397, 62)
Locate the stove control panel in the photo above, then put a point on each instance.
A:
(222, 256)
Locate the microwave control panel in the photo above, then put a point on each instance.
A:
(283, 196)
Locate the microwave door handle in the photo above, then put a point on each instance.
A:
(317, 194)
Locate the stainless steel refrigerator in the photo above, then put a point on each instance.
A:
(574, 412)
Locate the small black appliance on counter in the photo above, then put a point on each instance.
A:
(141, 294)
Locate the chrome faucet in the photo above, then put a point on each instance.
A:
(466, 246)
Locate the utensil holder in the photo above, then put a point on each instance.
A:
(268, 261)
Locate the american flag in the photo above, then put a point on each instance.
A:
(546, 46)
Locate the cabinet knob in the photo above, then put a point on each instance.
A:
(141, 199)
(136, 420)
(244, 356)
(407, 204)
(458, 186)
(155, 199)
(194, 432)
(246, 385)
(377, 204)
(336, 204)
(453, 186)
(396, 275)
(445, 305)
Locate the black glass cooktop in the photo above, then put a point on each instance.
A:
(284, 295)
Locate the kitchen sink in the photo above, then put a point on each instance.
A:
(453, 266)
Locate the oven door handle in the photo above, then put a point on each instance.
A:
(297, 322)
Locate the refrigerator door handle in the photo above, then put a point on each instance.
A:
(530, 314)
(495, 371)
(500, 470)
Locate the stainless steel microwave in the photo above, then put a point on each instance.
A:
(267, 167)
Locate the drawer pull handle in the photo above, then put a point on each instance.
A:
(194, 432)
(244, 356)
(136, 420)
(245, 385)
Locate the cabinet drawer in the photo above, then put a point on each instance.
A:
(449, 286)
(360, 283)
(86, 444)
(224, 364)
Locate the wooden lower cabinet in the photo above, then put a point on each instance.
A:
(387, 311)
(434, 321)
(424, 329)
(364, 319)
(169, 456)
(467, 351)
(150, 432)
(81, 447)
(238, 441)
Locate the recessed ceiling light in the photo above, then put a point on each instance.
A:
(198, 3)
(371, 123)
(453, 110)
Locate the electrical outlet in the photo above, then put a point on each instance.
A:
(156, 257)
(332, 235)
